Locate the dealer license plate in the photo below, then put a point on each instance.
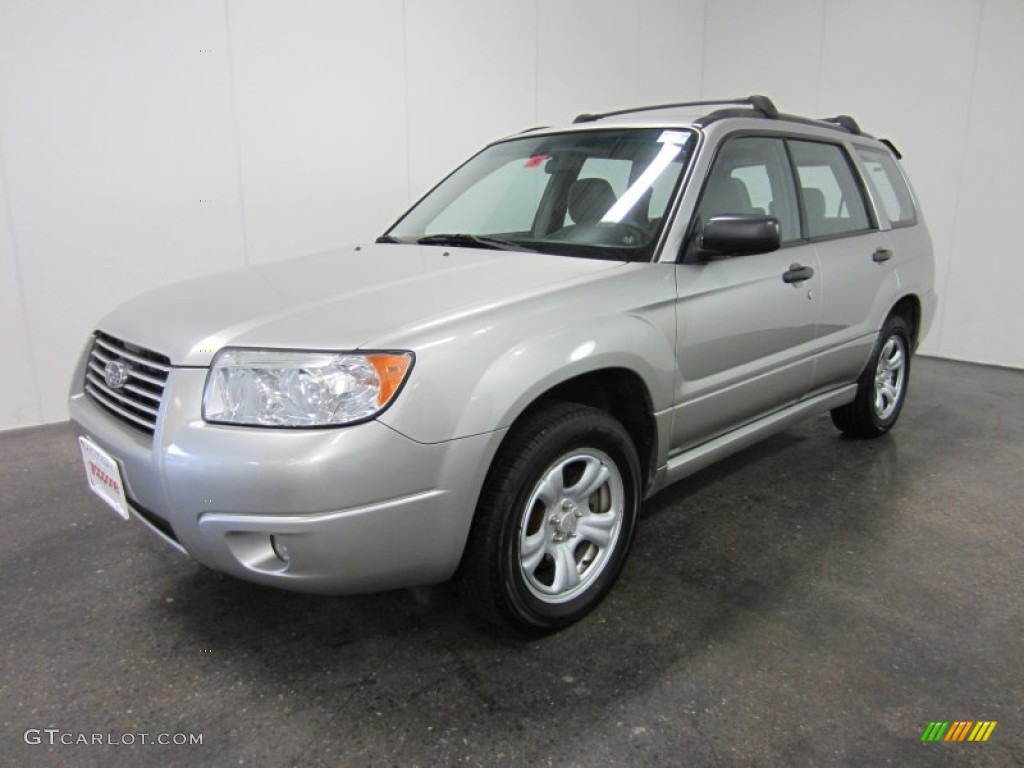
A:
(104, 476)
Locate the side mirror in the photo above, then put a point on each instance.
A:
(734, 235)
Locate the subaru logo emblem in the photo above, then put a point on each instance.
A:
(115, 374)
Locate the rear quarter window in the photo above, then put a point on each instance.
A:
(889, 186)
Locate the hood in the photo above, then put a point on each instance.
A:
(343, 299)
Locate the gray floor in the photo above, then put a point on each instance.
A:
(813, 601)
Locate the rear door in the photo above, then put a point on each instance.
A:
(857, 280)
(746, 329)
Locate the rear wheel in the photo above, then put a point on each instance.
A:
(554, 522)
(882, 386)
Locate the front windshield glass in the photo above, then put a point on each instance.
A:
(596, 193)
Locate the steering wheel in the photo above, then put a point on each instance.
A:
(614, 233)
(629, 233)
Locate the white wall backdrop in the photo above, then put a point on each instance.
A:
(146, 141)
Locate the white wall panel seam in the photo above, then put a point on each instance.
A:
(953, 256)
(704, 52)
(37, 396)
(235, 133)
(536, 62)
(821, 57)
(20, 284)
(405, 98)
(638, 52)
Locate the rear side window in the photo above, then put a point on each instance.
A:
(833, 200)
(889, 185)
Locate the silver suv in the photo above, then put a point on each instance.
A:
(573, 319)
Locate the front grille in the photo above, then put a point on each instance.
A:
(137, 402)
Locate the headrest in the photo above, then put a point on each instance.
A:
(726, 195)
(814, 203)
(590, 199)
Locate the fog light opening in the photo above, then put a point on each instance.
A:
(280, 548)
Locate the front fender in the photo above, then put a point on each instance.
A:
(477, 376)
(535, 366)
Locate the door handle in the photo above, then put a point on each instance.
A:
(882, 254)
(797, 273)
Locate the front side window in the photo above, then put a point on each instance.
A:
(595, 193)
(832, 198)
(751, 175)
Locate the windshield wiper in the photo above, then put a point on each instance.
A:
(461, 240)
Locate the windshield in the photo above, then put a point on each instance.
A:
(598, 193)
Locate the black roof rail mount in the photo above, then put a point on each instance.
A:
(845, 122)
(761, 104)
(764, 105)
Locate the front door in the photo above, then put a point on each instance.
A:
(746, 327)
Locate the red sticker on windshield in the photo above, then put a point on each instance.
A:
(534, 161)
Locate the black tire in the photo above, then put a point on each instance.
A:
(559, 443)
(882, 387)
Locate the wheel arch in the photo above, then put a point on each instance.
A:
(909, 309)
(619, 392)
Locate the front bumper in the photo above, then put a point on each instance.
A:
(353, 509)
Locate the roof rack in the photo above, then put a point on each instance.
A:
(840, 122)
(760, 104)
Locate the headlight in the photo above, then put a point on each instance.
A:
(263, 387)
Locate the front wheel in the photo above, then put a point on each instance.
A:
(882, 386)
(554, 522)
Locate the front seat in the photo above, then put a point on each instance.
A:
(589, 200)
(725, 195)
